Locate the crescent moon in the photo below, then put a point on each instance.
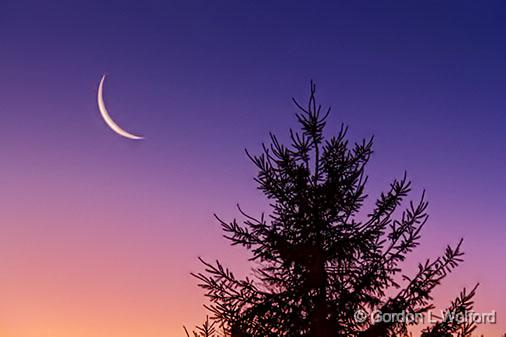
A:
(105, 114)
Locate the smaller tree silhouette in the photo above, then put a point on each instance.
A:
(207, 329)
(317, 259)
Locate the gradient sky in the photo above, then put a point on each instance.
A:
(98, 234)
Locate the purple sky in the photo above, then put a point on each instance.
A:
(202, 81)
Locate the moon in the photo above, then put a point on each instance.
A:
(107, 118)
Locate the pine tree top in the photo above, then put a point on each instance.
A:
(318, 261)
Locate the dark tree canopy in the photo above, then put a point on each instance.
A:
(317, 259)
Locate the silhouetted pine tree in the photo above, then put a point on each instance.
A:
(318, 261)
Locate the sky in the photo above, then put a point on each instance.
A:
(99, 234)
